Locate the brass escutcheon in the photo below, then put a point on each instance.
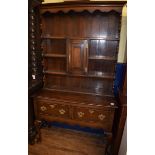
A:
(91, 111)
(80, 114)
(101, 117)
(62, 111)
(43, 108)
(52, 106)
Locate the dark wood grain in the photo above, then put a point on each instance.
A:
(80, 45)
(82, 24)
(93, 85)
(54, 46)
(56, 64)
(95, 58)
(78, 56)
(73, 108)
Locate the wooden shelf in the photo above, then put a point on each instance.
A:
(55, 72)
(80, 38)
(55, 55)
(52, 37)
(102, 58)
(92, 75)
(104, 38)
(78, 91)
(95, 38)
(89, 74)
(101, 75)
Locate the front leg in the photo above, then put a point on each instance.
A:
(38, 126)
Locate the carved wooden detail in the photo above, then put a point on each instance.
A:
(80, 7)
(34, 67)
(35, 48)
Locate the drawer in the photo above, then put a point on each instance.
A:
(53, 108)
(94, 115)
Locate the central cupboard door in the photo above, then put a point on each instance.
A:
(78, 55)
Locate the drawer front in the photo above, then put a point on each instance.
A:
(95, 115)
(53, 108)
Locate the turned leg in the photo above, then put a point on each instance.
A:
(31, 135)
(38, 126)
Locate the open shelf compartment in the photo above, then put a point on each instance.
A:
(54, 47)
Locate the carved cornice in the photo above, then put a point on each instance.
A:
(65, 8)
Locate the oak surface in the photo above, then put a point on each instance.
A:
(79, 54)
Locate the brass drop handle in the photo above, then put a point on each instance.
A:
(101, 117)
(62, 111)
(43, 108)
(52, 106)
(91, 111)
(80, 114)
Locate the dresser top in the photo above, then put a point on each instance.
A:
(76, 98)
(78, 6)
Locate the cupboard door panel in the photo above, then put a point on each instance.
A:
(78, 56)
